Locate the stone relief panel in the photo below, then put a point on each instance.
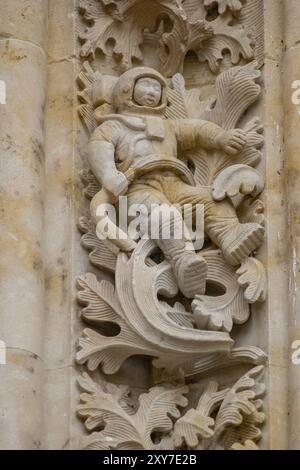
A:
(157, 142)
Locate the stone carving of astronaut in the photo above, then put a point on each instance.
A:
(138, 136)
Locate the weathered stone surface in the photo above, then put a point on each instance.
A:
(22, 166)
(23, 68)
(25, 20)
(201, 333)
(20, 398)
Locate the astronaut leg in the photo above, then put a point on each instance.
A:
(189, 268)
(237, 241)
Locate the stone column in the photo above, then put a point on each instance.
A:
(275, 248)
(292, 157)
(61, 224)
(23, 34)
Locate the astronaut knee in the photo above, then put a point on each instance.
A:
(166, 222)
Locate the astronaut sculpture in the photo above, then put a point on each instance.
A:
(138, 138)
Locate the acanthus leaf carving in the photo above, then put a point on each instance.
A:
(119, 425)
(123, 428)
(197, 423)
(234, 6)
(252, 278)
(100, 256)
(225, 110)
(249, 445)
(222, 312)
(217, 361)
(177, 27)
(238, 416)
(225, 37)
(252, 210)
(102, 304)
(237, 180)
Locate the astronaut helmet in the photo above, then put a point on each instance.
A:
(137, 91)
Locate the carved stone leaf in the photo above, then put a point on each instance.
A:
(91, 185)
(95, 15)
(220, 312)
(102, 408)
(252, 18)
(252, 277)
(221, 34)
(229, 38)
(249, 445)
(139, 286)
(227, 110)
(213, 362)
(117, 8)
(157, 409)
(94, 96)
(251, 154)
(123, 24)
(110, 352)
(191, 427)
(197, 424)
(142, 319)
(240, 418)
(179, 315)
(184, 103)
(100, 299)
(177, 94)
(85, 80)
(102, 306)
(237, 422)
(251, 210)
(100, 256)
(240, 400)
(231, 85)
(234, 6)
(237, 180)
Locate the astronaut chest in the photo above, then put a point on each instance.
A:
(145, 146)
(141, 145)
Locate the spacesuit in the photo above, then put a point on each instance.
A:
(138, 137)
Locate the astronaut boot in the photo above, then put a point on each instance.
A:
(190, 269)
(237, 241)
(242, 241)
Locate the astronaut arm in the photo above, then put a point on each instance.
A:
(192, 133)
(101, 156)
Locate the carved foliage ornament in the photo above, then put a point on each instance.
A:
(139, 311)
(175, 27)
(163, 419)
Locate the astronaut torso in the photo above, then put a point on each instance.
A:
(143, 139)
(146, 143)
